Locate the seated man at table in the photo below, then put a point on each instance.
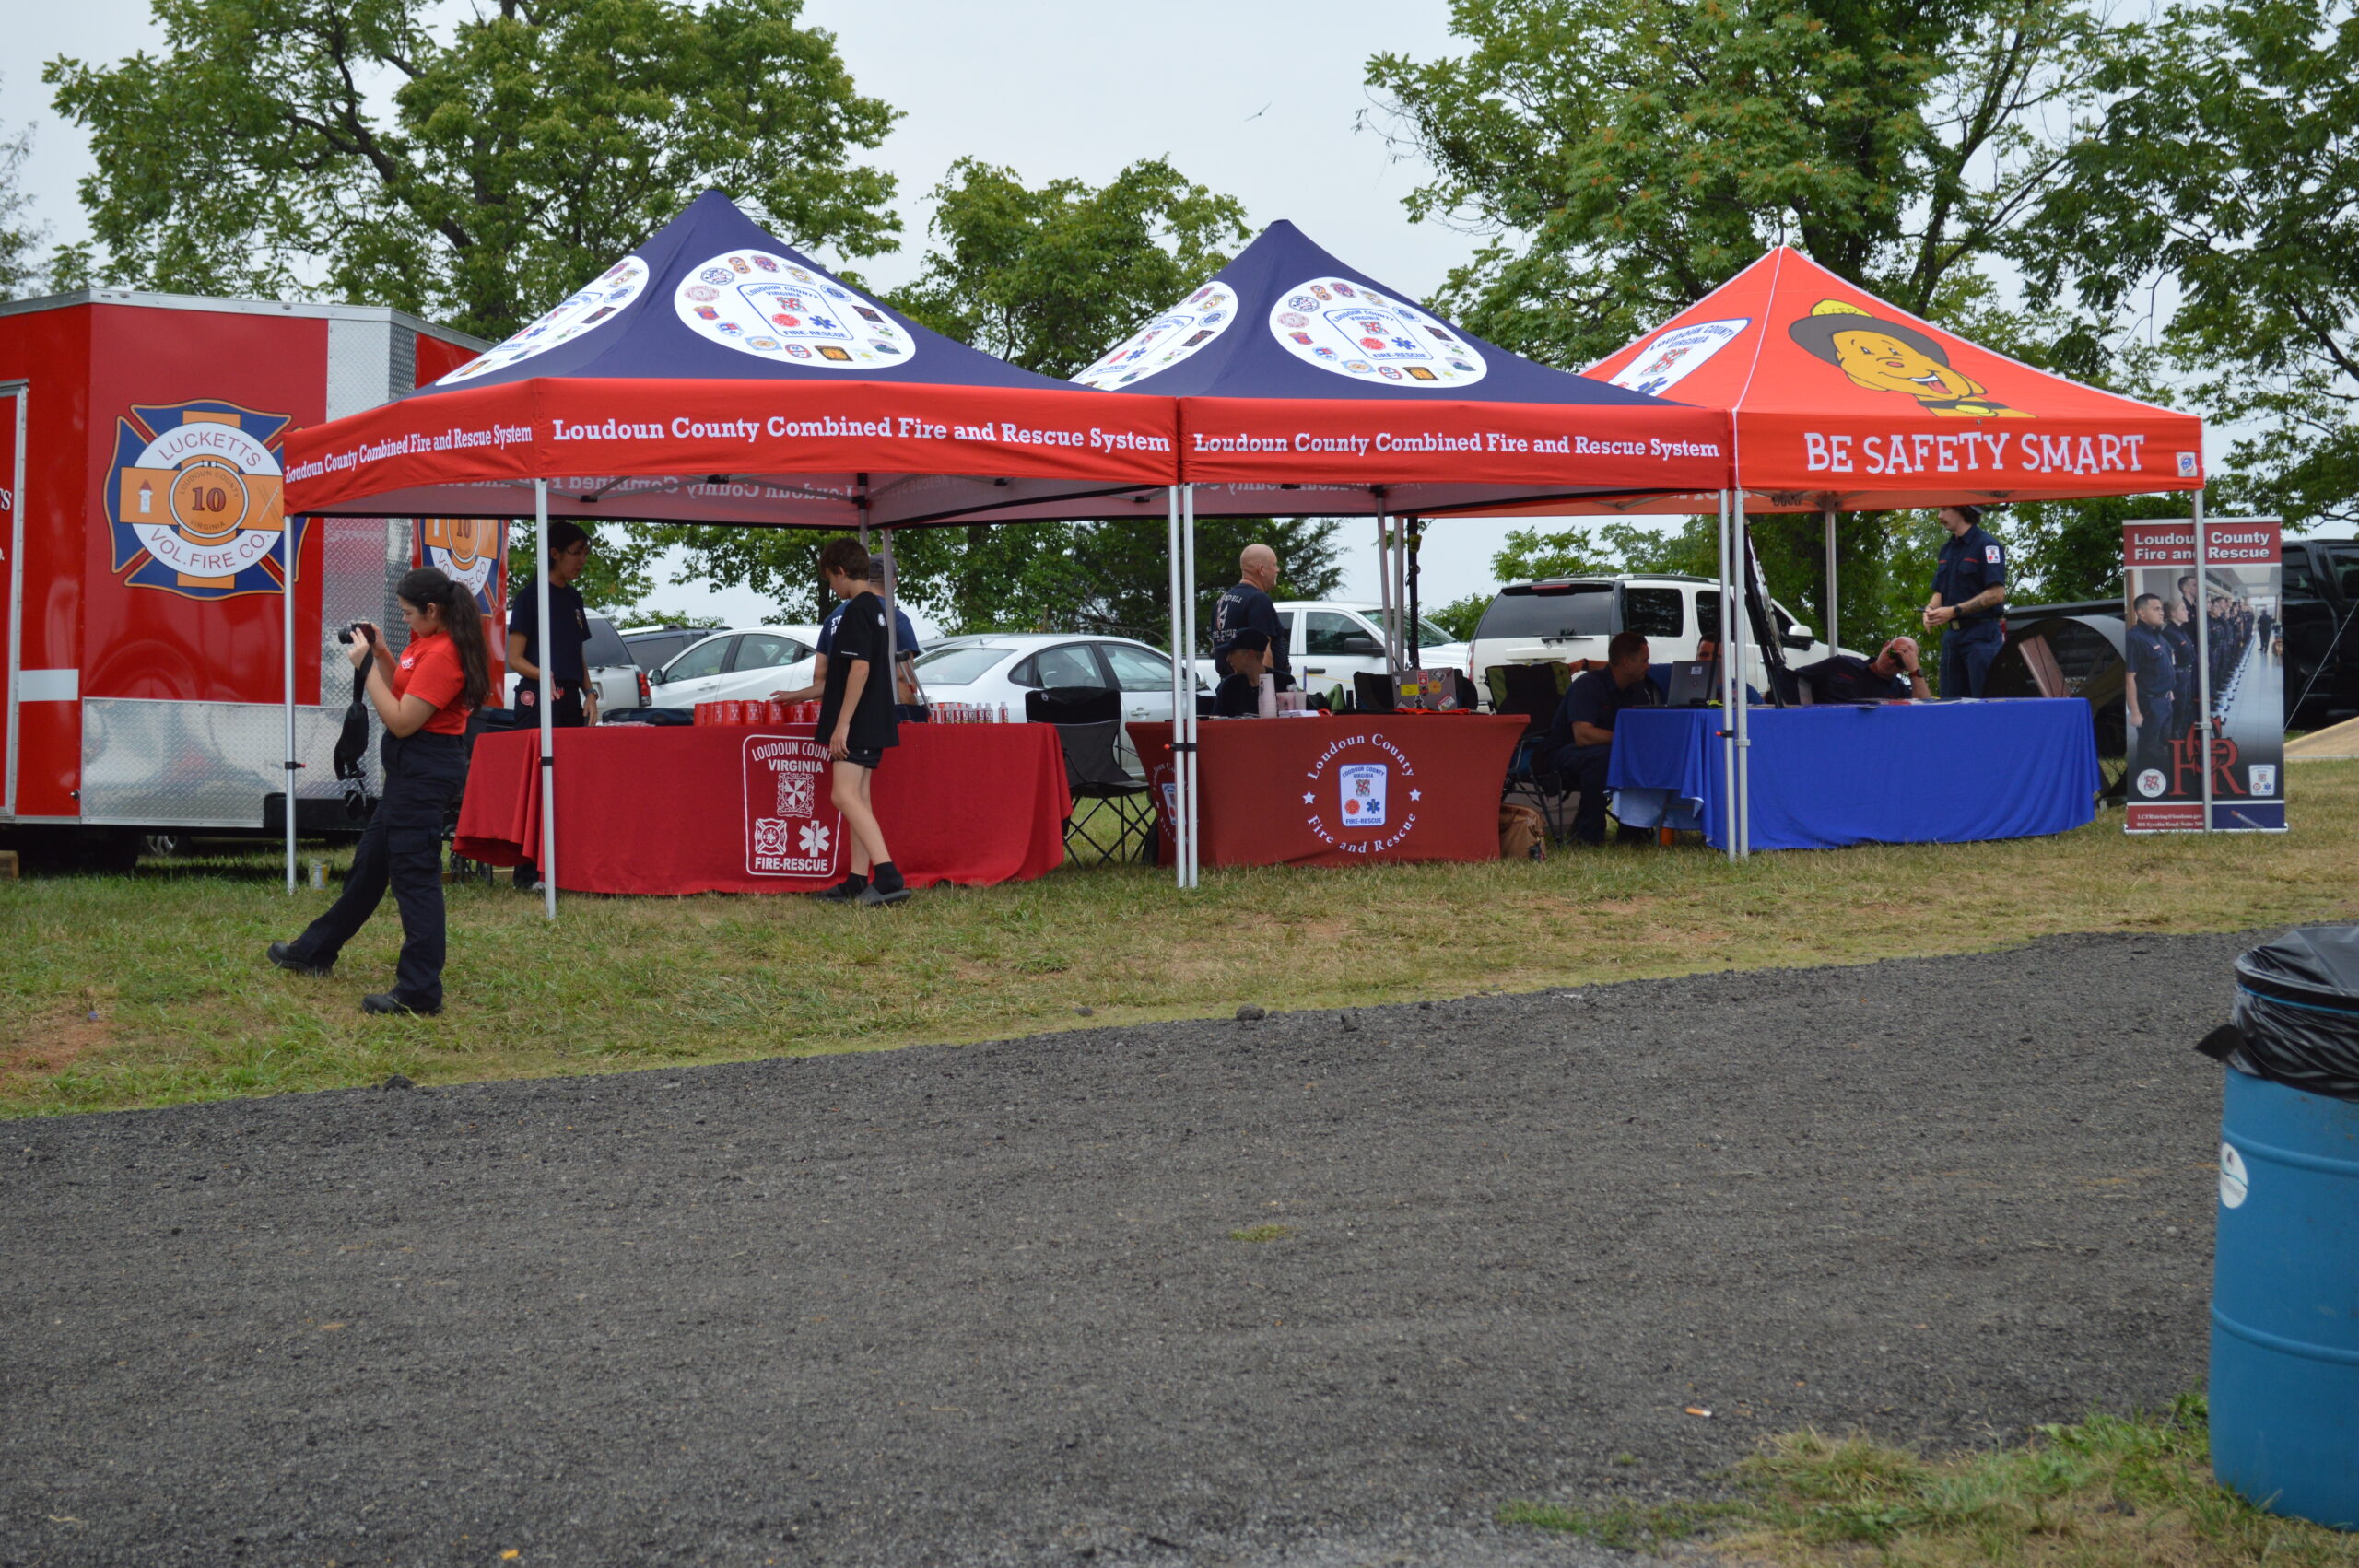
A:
(1581, 738)
(1892, 675)
(1248, 659)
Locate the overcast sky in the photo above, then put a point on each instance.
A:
(1268, 116)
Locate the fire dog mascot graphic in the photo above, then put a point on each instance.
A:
(1893, 356)
(195, 503)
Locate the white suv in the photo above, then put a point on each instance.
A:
(1565, 618)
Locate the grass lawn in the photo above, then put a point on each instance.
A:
(2105, 1493)
(151, 989)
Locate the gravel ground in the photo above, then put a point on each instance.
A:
(988, 1303)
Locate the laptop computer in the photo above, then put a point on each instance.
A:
(1693, 684)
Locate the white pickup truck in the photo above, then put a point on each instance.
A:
(1558, 619)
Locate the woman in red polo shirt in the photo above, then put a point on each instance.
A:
(424, 698)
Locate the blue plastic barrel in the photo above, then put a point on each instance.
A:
(2285, 1388)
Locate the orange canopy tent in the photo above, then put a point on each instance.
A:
(1844, 403)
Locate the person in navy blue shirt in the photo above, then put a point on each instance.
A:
(1581, 737)
(1248, 605)
(1969, 587)
(906, 648)
(2182, 640)
(2150, 700)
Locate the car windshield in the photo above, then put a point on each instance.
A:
(1428, 633)
(1577, 609)
(959, 666)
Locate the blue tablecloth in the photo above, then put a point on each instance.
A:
(1894, 773)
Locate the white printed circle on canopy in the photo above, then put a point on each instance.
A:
(1366, 336)
(1172, 336)
(569, 318)
(764, 305)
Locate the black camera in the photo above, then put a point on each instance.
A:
(345, 636)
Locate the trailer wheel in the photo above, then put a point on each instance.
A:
(163, 844)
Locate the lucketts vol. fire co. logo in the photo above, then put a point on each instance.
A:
(1351, 801)
(196, 506)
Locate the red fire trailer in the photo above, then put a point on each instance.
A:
(144, 595)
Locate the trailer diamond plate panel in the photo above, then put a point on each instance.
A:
(163, 764)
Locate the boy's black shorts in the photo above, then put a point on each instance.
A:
(871, 759)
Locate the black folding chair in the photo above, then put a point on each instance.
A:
(1530, 692)
(1090, 731)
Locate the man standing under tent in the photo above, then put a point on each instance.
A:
(906, 648)
(1248, 605)
(1970, 586)
(573, 701)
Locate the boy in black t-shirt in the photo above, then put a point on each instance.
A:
(856, 722)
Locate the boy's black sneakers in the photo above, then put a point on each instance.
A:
(845, 892)
(872, 895)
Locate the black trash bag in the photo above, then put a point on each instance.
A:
(2298, 1013)
(351, 746)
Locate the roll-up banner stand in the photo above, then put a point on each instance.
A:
(2193, 632)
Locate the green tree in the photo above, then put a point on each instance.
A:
(1627, 157)
(2224, 175)
(523, 149)
(1048, 277)
(1630, 156)
(19, 234)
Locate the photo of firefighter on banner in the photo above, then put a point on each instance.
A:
(2204, 650)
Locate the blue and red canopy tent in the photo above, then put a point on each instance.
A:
(1304, 386)
(717, 375)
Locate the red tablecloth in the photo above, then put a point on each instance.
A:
(642, 808)
(1342, 790)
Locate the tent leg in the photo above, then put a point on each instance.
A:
(1741, 535)
(892, 601)
(1183, 691)
(1833, 612)
(1729, 687)
(1415, 528)
(294, 764)
(1189, 772)
(2203, 725)
(548, 730)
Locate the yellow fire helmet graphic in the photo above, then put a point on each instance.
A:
(1892, 357)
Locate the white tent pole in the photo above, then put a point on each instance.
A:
(2204, 655)
(286, 597)
(1183, 689)
(548, 724)
(1729, 680)
(1741, 527)
(1191, 773)
(1833, 614)
(892, 599)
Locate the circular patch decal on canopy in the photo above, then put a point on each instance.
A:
(1362, 336)
(766, 306)
(1167, 340)
(573, 316)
